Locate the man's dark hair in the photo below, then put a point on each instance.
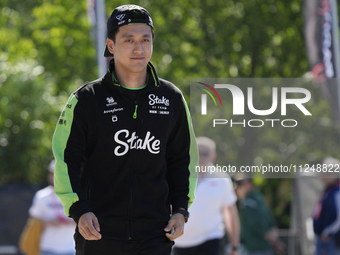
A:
(240, 182)
(134, 14)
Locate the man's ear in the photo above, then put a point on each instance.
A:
(110, 46)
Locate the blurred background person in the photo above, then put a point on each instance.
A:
(57, 236)
(213, 211)
(326, 216)
(259, 234)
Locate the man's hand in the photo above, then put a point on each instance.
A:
(273, 237)
(177, 222)
(325, 238)
(88, 226)
(280, 247)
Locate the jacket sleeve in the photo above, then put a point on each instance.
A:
(68, 145)
(333, 204)
(182, 158)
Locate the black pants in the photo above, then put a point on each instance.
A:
(210, 247)
(155, 246)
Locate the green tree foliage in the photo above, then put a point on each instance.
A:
(56, 33)
(46, 52)
(28, 114)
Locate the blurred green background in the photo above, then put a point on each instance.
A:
(47, 51)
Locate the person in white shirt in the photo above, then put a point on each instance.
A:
(212, 212)
(57, 236)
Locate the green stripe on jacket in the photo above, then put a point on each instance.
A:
(193, 152)
(62, 183)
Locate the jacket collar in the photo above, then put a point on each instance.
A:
(153, 80)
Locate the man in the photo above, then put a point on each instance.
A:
(215, 202)
(123, 146)
(259, 234)
(326, 216)
(56, 238)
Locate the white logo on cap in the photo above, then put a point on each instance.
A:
(120, 17)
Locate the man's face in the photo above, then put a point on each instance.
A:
(133, 48)
(329, 181)
(205, 155)
(242, 190)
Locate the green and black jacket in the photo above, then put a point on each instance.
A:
(124, 159)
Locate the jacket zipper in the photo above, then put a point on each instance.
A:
(130, 211)
(135, 113)
(131, 182)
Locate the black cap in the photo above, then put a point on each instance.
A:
(124, 15)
